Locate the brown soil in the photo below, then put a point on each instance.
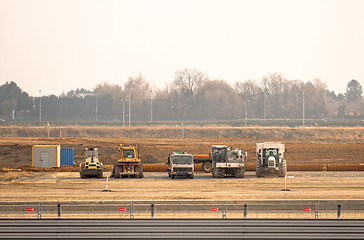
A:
(15, 152)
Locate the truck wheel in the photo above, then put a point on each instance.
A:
(220, 173)
(172, 176)
(191, 176)
(169, 175)
(283, 169)
(258, 169)
(207, 167)
(239, 172)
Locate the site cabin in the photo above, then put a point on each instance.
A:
(180, 164)
(270, 158)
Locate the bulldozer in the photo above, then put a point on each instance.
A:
(270, 158)
(129, 164)
(227, 161)
(91, 165)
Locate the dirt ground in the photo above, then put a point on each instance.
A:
(67, 186)
(16, 152)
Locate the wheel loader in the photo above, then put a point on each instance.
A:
(91, 165)
(227, 161)
(270, 158)
(129, 164)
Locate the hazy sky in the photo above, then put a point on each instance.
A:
(60, 45)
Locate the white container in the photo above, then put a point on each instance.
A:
(46, 156)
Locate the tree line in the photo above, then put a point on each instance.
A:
(192, 95)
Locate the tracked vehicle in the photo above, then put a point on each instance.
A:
(270, 157)
(129, 164)
(226, 161)
(91, 165)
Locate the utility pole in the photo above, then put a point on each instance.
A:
(151, 109)
(96, 107)
(245, 113)
(129, 108)
(40, 106)
(265, 109)
(123, 111)
(303, 107)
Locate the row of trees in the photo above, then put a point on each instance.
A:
(190, 96)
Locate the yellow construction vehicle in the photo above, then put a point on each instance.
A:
(91, 165)
(129, 164)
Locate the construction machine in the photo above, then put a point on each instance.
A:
(270, 158)
(129, 164)
(91, 165)
(227, 161)
(206, 161)
(180, 164)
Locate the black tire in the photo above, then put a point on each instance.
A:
(283, 169)
(239, 172)
(139, 168)
(169, 175)
(214, 172)
(83, 176)
(172, 176)
(116, 171)
(258, 169)
(207, 167)
(100, 175)
(191, 176)
(220, 172)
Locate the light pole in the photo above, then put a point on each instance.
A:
(96, 107)
(265, 109)
(151, 110)
(151, 107)
(40, 106)
(123, 101)
(246, 113)
(303, 108)
(129, 108)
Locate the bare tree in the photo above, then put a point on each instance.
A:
(188, 80)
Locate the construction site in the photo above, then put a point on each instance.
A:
(143, 181)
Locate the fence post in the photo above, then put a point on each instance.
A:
(245, 210)
(223, 210)
(59, 210)
(338, 211)
(131, 210)
(317, 210)
(39, 210)
(152, 210)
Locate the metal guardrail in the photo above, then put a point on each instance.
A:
(269, 209)
(181, 229)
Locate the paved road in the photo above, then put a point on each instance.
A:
(181, 229)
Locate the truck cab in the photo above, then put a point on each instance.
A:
(180, 164)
